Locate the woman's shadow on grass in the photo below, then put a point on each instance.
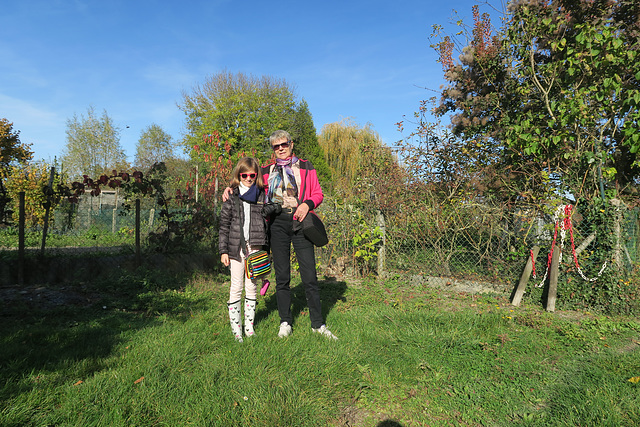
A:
(331, 291)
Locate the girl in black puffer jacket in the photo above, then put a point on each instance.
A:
(242, 213)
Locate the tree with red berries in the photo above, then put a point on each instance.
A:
(552, 99)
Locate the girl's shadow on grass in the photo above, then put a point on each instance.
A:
(331, 291)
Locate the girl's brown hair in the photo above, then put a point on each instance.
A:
(244, 165)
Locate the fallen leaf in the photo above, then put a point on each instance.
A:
(80, 382)
(139, 380)
(634, 380)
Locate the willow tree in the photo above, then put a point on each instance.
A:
(362, 166)
(306, 145)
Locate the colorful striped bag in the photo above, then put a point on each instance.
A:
(257, 264)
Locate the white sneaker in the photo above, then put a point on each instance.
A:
(326, 332)
(285, 330)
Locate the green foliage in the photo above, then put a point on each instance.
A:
(363, 169)
(12, 153)
(303, 133)
(366, 242)
(93, 146)
(154, 146)
(240, 110)
(33, 180)
(12, 150)
(565, 106)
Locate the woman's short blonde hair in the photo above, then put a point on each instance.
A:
(278, 136)
(246, 164)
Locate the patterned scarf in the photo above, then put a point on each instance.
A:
(282, 181)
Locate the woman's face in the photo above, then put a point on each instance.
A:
(247, 178)
(282, 148)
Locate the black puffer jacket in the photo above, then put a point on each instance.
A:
(231, 225)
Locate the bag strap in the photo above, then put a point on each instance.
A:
(242, 240)
(304, 183)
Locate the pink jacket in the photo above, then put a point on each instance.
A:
(312, 191)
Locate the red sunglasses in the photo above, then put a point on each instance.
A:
(285, 144)
(249, 175)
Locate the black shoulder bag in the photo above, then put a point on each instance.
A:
(312, 225)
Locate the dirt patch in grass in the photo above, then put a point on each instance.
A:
(47, 297)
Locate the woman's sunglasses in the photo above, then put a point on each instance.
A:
(285, 144)
(248, 175)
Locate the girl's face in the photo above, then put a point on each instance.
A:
(247, 178)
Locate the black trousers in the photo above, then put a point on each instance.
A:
(281, 238)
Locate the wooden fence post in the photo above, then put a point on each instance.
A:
(47, 209)
(21, 221)
(553, 279)
(519, 292)
(382, 250)
(138, 233)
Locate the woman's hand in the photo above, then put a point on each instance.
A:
(224, 258)
(226, 194)
(301, 212)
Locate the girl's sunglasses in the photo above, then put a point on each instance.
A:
(248, 175)
(276, 147)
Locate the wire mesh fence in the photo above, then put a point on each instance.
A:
(441, 243)
(474, 242)
(90, 224)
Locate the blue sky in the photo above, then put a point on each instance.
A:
(367, 60)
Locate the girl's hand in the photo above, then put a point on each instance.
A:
(224, 258)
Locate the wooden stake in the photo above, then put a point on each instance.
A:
(519, 292)
(553, 279)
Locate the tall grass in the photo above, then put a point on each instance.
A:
(156, 349)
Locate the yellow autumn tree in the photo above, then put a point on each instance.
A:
(31, 178)
(12, 152)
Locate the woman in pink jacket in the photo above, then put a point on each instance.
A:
(286, 179)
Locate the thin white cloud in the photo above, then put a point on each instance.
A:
(43, 128)
(171, 75)
(23, 112)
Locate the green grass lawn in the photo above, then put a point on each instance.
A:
(152, 349)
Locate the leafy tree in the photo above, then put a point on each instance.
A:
(231, 116)
(551, 100)
(32, 178)
(93, 146)
(11, 149)
(306, 145)
(12, 152)
(154, 146)
(240, 110)
(361, 165)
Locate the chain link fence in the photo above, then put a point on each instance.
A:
(471, 243)
(93, 224)
(443, 244)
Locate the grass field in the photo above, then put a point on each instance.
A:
(152, 349)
